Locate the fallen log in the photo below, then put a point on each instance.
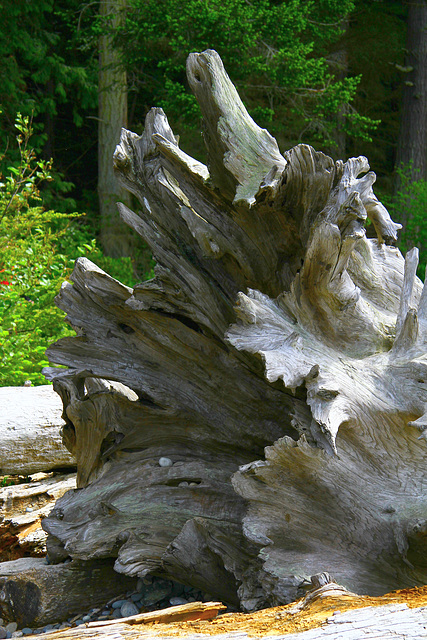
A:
(22, 508)
(255, 414)
(30, 424)
(33, 593)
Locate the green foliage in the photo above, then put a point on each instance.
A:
(48, 73)
(409, 206)
(275, 52)
(9, 481)
(375, 48)
(37, 252)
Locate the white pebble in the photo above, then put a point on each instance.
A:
(183, 484)
(128, 609)
(29, 509)
(176, 601)
(17, 634)
(165, 462)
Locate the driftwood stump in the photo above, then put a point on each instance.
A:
(255, 414)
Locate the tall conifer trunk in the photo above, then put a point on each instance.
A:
(412, 143)
(112, 112)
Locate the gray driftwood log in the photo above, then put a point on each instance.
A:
(33, 593)
(277, 361)
(30, 423)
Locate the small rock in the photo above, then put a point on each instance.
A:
(118, 604)
(128, 609)
(163, 584)
(17, 634)
(3, 633)
(78, 623)
(116, 614)
(29, 510)
(194, 484)
(175, 600)
(135, 597)
(86, 618)
(183, 484)
(12, 626)
(48, 627)
(165, 462)
(27, 631)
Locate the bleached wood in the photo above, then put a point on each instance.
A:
(30, 424)
(262, 361)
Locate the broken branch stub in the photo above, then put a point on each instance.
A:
(252, 415)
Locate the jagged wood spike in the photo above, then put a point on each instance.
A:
(411, 264)
(242, 156)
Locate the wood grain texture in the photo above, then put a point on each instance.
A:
(30, 437)
(276, 360)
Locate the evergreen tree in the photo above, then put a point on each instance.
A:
(48, 72)
(412, 149)
(276, 53)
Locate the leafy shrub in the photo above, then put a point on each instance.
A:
(409, 206)
(37, 252)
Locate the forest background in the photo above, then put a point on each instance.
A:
(348, 77)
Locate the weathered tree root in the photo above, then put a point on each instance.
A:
(322, 363)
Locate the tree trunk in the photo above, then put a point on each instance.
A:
(412, 145)
(269, 383)
(339, 65)
(112, 112)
